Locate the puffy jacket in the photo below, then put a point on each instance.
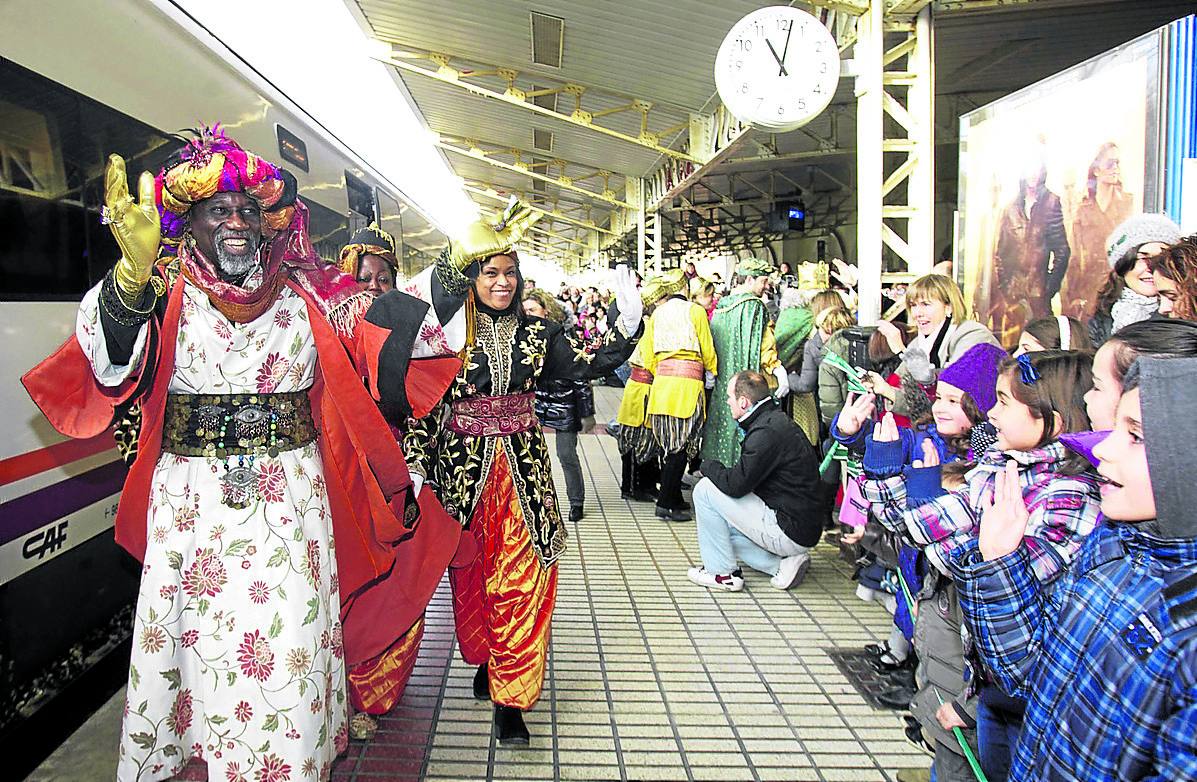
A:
(562, 404)
(778, 464)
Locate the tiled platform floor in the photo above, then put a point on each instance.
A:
(651, 677)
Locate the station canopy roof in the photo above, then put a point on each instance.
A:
(641, 68)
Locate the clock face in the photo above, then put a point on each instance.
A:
(777, 69)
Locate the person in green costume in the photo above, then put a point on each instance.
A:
(743, 340)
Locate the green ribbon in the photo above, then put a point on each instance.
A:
(837, 361)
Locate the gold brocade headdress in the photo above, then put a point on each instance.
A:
(662, 285)
(371, 240)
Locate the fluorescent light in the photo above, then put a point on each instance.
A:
(318, 55)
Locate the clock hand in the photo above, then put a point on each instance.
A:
(784, 50)
(783, 71)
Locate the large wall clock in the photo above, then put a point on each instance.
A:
(777, 69)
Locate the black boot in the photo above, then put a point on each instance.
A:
(509, 725)
(481, 684)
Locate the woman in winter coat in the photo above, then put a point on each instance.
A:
(1129, 294)
(936, 308)
(564, 405)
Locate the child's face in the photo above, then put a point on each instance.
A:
(1127, 495)
(1017, 429)
(950, 418)
(1027, 344)
(1102, 400)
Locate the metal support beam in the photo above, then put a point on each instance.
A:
(528, 172)
(869, 51)
(446, 74)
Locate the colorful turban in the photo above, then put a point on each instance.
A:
(371, 240)
(213, 163)
(754, 267)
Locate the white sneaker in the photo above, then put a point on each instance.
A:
(791, 571)
(700, 576)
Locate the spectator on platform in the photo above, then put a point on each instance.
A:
(1058, 333)
(936, 308)
(691, 270)
(1157, 338)
(1175, 276)
(702, 293)
(833, 384)
(1107, 654)
(807, 380)
(565, 406)
(1129, 294)
(763, 510)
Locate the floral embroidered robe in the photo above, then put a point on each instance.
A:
(224, 667)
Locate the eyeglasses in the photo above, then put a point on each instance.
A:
(1109, 164)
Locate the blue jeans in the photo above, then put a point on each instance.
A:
(997, 736)
(743, 529)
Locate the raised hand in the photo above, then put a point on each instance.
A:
(930, 455)
(627, 297)
(878, 385)
(1004, 522)
(885, 430)
(893, 336)
(857, 410)
(134, 225)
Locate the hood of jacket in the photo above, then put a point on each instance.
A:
(1169, 400)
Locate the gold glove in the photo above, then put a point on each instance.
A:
(134, 225)
(483, 239)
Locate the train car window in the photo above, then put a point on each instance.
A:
(329, 231)
(53, 146)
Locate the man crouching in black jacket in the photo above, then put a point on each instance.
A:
(764, 510)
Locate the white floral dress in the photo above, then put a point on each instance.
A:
(237, 656)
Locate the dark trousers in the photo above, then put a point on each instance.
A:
(997, 735)
(672, 468)
(639, 477)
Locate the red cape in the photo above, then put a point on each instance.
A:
(391, 550)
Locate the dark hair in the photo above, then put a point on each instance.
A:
(1111, 289)
(751, 385)
(1065, 376)
(1046, 332)
(1155, 338)
(1179, 264)
(517, 301)
(958, 444)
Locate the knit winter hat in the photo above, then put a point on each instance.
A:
(976, 373)
(1140, 229)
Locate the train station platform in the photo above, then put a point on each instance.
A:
(650, 677)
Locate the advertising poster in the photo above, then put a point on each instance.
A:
(1046, 174)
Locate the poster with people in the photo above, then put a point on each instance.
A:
(1045, 175)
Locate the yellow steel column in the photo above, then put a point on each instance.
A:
(868, 52)
(921, 187)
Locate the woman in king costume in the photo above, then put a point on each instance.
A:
(485, 455)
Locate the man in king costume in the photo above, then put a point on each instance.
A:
(743, 340)
(276, 521)
(485, 455)
(678, 353)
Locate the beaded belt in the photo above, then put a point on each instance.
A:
(642, 375)
(493, 416)
(223, 425)
(680, 367)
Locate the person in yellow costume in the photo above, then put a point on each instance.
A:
(744, 340)
(637, 447)
(678, 351)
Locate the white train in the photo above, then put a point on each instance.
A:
(79, 80)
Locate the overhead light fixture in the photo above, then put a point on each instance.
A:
(326, 65)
